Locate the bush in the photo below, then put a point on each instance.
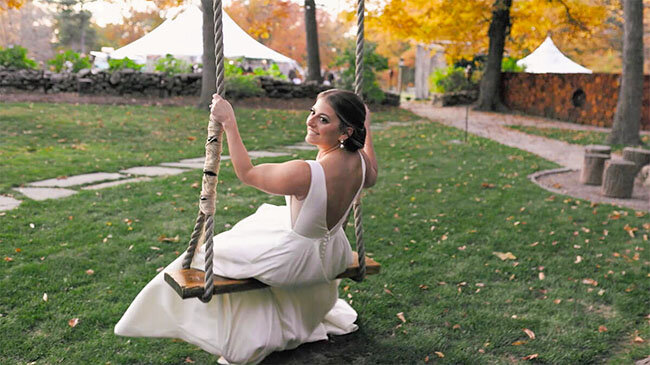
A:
(69, 61)
(242, 86)
(273, 71)
(509, 64)
(172, 66)
(16, 57)
(121, 64)
(372, 62)
(450, 79)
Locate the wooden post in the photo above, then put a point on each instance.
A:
(618, 179)
(592, 169)
(639, 156)
(598, 148)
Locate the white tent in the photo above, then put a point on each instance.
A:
(547, 58)
(182, 37)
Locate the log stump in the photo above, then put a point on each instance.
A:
(639, 156)
(598, 148)
(592, 169)
(618, 179)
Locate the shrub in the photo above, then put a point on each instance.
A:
(231, 69)
(121, 64)
(16, 57)
(450, 79)
(242, 86)
(273, 71)
(372, 62)
(509, 64)
(69, 61)
(172, 66)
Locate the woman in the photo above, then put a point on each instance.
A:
(297, 249)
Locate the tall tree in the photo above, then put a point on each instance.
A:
(209, 73)
(311, 31)
(73, 25)
(628, 108)
(489, 98)
(29, 27)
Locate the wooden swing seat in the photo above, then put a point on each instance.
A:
(190, 283)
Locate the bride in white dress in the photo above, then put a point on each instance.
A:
(298, 249)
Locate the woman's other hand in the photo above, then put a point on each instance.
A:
(222, 112)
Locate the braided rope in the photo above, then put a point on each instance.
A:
(218, 47)
(358, 89)
(194, 240)
(358, 79)
(209, 282)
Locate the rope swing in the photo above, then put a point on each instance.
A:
(191, 283)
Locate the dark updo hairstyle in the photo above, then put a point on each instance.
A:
(351, 112)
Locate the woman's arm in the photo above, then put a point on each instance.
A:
(288, 178)
(369, 152)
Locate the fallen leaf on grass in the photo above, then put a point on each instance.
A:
(578, 259)
(90, 271)
(505, 256)
(189, 360)
(530, 357)
(8, 259)
(154, 248)
(557, 301)
(73, 322)
(529, 333)
(456, 326)
(426, 359)
(590, 282)
(541, 276)
(519, 343)
(45, 297)
(400, 315)
(423, 287)
(638, 339)
(602, 329)
(163, 238)
(440, 354)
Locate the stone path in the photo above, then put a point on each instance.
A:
(63, 187)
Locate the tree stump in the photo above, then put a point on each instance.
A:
(639, 156)
(592, 169)
(598, 148)
(618, 179)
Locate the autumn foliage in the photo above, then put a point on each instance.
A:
(11, 4)
(280, 25)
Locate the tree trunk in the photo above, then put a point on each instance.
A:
(618, 179)
(489, 97)
(639, 156)
(313, 57)
(209, 73)
(592, 169)
(628, 109)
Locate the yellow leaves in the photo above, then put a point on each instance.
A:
(630, 230)
(530, 357)
(578, 259)
(10, 4)
(164, 238)
(400, 315)
(590, 282)
(602, 329)
(504, 256)
(439, 354)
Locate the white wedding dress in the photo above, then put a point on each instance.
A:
(299, 261)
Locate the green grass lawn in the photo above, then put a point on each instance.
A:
(571, 135)
(438, 220)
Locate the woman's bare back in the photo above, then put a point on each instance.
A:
(343, 177)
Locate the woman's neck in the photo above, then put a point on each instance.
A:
(331, 151)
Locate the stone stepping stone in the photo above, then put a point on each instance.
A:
(153, 171)
(8, 203)
(45, 193)
(115, 183)
(186, 165)
(257, 154)
(302, 146)
(77, 180)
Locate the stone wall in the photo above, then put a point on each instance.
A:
(132, 83)
(580, 98)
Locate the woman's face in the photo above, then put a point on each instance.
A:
(323, 126)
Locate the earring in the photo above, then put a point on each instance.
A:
(341, 146)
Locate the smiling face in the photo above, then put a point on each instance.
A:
(323, 126)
